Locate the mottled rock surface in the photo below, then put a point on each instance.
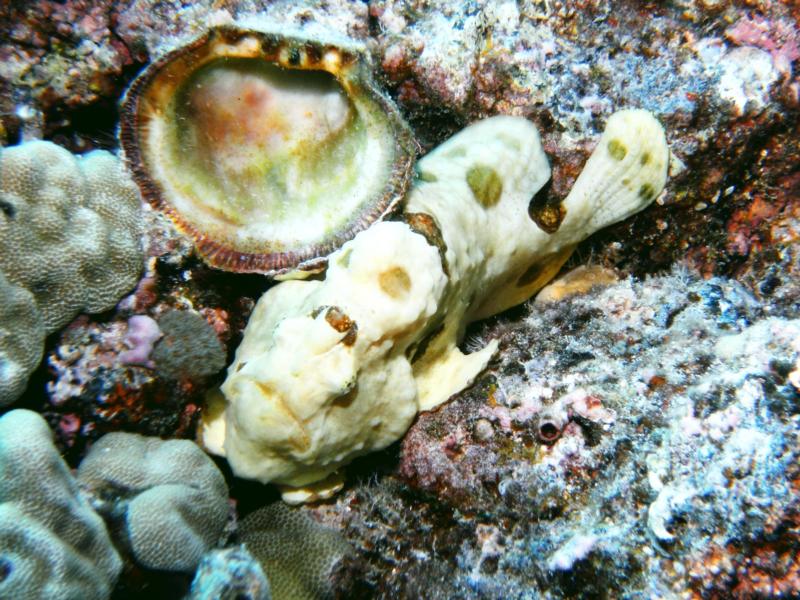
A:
(676, 460)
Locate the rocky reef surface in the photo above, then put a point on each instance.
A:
(636, 440)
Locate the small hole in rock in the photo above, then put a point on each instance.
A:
(548, 432)
(6, 568)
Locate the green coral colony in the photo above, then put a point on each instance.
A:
(269, 150)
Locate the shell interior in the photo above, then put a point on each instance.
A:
(270, 151)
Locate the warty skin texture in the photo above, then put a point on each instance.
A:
(330, 370)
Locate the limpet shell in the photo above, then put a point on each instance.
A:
(269, 150)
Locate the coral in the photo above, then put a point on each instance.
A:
(189, 348)
(166, 501)
(299, 556)
(69, 234)
(229, 574)
(331, 370)
(71, 229)
(52, 544)
(21, 339)
(269, 148)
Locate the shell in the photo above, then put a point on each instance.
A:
(269, 150)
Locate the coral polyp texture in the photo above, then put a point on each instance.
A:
(21, 339)
(52, 544)
(165, 500)
(298, 555)
(269, 149)
(329, 370)
(70, 230)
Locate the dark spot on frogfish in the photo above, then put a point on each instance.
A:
(617, 149)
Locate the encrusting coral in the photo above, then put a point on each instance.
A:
(329, 370)
(166, 501)
(52, 544)
(270, 149)
(70, 231)
(189, 347)
(298, 555)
